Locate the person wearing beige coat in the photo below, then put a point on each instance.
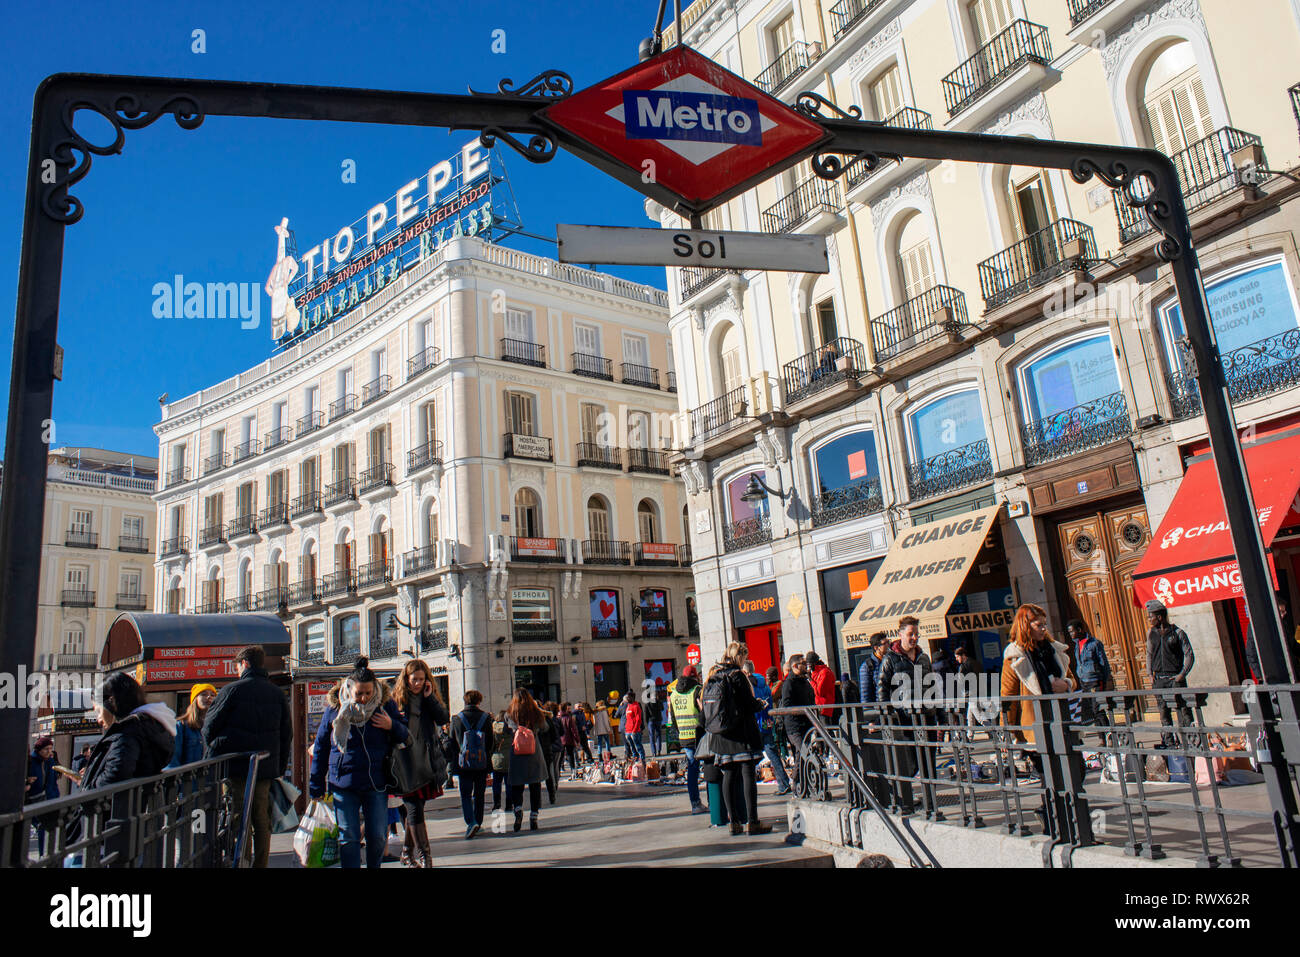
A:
(1025, 663)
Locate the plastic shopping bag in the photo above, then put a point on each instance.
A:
(316, 842)
(282, 797)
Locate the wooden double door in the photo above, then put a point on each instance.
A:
(1099, 553)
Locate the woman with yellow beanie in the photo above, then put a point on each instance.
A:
(189, 727)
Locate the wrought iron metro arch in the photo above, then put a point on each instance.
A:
(60, 157)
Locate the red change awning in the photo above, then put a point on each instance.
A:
(1190, 559)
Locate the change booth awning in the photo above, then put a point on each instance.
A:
(922, 574)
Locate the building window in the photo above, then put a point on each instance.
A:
(1079, 372)
(309, 475)
(945, 423)
(82, 520)
(647, 521)
(606, 622)
(692, 616)
(730, 374)
(1030, 198)
(378, 444)
(638, 431)
(988, 18)
(520, 413)
(654, 613)
(530, 613)
(128, 583)
(246, 499)
(591, 424)
(78, 577)
(519, 325)
(74, 640)
(827, 327)
(435, 615)
(739, 510)
(597, 519)
(277, 487)
(528, 514)
(1175, 110)
(132, 526)
(886, 92)
(311, 637)
(781, 35)
(848, 460)
(347, 636)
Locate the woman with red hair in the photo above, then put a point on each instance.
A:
(1033, 664)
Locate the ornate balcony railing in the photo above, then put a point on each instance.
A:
(645, 376)
(346, 652)
(1022, 42)
(305, 504)
(376, 389)
(647, 461)
(211, 608)
(1081, 10)
(215, 463)
(242, 525)
(242, 603)
(312, 659)
(654, 553)
(377, 476)
(1077, 429)
(338, 583)
(179, 545)
(719, 415)
(76, 538)
(789, 64)
(1037, 259)
(132, 543)
(77, 598)
(939, 311)
(814, 195)
(1294, 93)
(305, 592)
(271, 599)
(383, 645)
(310, 422)
(430, 453)
(602, 551)
(537, 549)
(609, 631)
(593, 367)
(836, 505)
(420, 560)
(277, 437)
(177, 476)
(421, 362)
(536, 447)
(693, 279)
(343, 406)
(1205, 172)
(950, 470)
(836, 361)
(245, 450)
(746, 533)
(908, 118)
(340, 491)
(684, 555)
(848, 12)
(1253, 370)
(131, 601)
(433, 640)
(277, 513)
(596, 456)
(378, 572)
(532, 630)
(212, 535)
(525, 353)
(672, 382)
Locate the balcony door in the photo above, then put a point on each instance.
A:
(591, 423)
(277, 487)
(987, 19)
(887, 93)
(343, 469)
(519, 325)
(309, 477)
(597, 520)
(81, 522)
(519, 414)
(647, 522)
(1174, 104)
(528, 516)
(378, 446)
(1032, 212)
(782, 35)
(586, 339)
(636, 351)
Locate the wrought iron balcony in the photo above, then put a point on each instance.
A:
(607, 631)
(1077, 429)
(338, 583)
(693, 279)
(312, 659)
(836, 361)
(718, 416)
(672, 382)
(245, 450)
(1256, 369)
(278, 437)
(939, 311)
(1081, 10)
(242, 525)
(846, 13)
(536, 447)
(131, 601)
(420, 560)
(421, 362)
(76, 538)
(684, 555)
(1205, 172)
(950, 470)
(277, 513)
(305, 504)
(746, 533)
(211, 608)
(346, 652)
(77, 598)
(814, 195)
(596, 456)
(342, 406)
(522, 549)
(378, 572)
(75, 662)
(340, 491)
(177, 476)
(241, 604)
(132, 543)
(789, 64)
(843, 504)
(1294, 93)
(212, 535)
(654, 553)
(174, 546)
(376, 389)
(215, 463)
(431, 640)
(525, 353)
(532, 630)
(310, 422)
(602, 551)
(644, 376)
(306, 592)
(1022, 42)
(1039, 258)
(647, 461)
(383, 645)
(428, 454)
(908, 118)
(593, 367)
(377, 476)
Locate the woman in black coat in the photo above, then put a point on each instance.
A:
(738, 749)
(424, 713)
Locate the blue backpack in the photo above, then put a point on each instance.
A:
(473, 753)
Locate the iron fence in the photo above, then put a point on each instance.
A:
(1256, 369)
(343, 406)
(180, 545)
(428, 454)
(376, 388)
(693, 279)
(1022, 42)
(246, 450)
(647, 461)
(421, 362)
(242, 525)
(340, 491)
(1037, 259)
(277, 437)
(215, 463)
(132, 543)
(523, 352)
(939, 311)
(593, 367)
(602, 551)
(831, 506)
(305, 504)
(634, 374)
(839, 360)
(746, 533)
(277, 513)
(1081, 10)
(305, 592)
(719, 415)
(420, 559)
(178, 476)
(378, 572)
(789, 63)
(950, 470)
(1081, 427)
(310, 422)
(848, 12)
(377, 476)
(814, 195)
(76, 538)
(597, 456)
(212, 535)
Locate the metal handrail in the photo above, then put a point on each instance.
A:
(246, 450)
(846, 13)
(343, 406)
(595, 455)
(428, 454)
(277, 437)
(839, 360)
(376, 388)
(799, 205)
(1081, 10)
(635, 374)
(1022, 42)
(421, 362)
(1064, 245)
(524, 352)
(788, 64)
(310, 423)
(907, 118)
(718, 415)
(940, 310)
(593, 367)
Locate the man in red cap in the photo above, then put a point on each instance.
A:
(685, 715)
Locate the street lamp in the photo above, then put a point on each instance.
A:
(756, 490)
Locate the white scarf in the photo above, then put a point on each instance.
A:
(351, 713)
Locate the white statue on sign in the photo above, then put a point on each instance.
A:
(284, 311)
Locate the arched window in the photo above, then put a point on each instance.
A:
(347, 638)
(74, 639)
(914, 258)
(647, 521)
(738, 510)
(212, 588)
(311, 641)
(383, 631)
(597, 519)
(945, 423)
(686, 525)
(730, 374)
(1078, 372)
(1175, 111)
(845, 461)
(345, 557)
(528, 514)
(307, 562)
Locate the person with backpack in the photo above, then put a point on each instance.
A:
(765, 725)
(685, 715)
(633, 727)
(423, 711)
(527, 725)
(501, 737)
(473, 733)
(730, 710)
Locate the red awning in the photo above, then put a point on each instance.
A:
(1190, 559)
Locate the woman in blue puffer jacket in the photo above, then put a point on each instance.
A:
(359, 728)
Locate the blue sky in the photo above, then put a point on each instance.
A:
(203, 203)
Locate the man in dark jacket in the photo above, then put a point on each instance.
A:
(1091, 667)
(252, 714)
(867, 671)
(796, 691)
(1169, 661)
(42, 781)
(900, 682)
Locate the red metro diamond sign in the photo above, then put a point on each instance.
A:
(708, 133)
